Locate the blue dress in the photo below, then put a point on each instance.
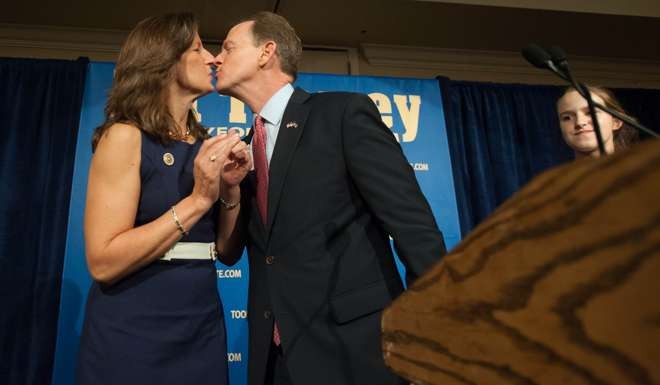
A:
(164, 323)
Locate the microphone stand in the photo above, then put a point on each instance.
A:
(584, 91)
(592, 111)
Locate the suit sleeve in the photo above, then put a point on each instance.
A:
(387, 183)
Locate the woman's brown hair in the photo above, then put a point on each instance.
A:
(625, 136)
(143, 71)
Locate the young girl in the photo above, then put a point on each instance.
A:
(577, 127)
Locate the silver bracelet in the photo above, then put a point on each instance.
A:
(178, 223)
(229, 205)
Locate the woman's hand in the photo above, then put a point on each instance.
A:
(213, 156)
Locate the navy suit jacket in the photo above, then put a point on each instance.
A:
(322, 265)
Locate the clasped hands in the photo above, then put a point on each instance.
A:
(222, 160)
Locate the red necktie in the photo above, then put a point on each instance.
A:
(261, 169)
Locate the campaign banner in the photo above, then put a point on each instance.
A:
(411, 108)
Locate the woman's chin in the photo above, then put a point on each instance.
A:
(203, 92)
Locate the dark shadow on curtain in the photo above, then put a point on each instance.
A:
(643, 105)
(40, 103)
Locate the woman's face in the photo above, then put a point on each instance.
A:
(577, 128)
(193, 72)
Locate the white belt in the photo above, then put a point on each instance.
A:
(191, 250)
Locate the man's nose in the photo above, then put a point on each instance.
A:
(218, 59)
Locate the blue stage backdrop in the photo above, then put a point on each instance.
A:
(412, 108)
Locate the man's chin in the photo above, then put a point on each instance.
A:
(221, 90)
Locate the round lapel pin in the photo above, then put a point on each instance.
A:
(168, 159)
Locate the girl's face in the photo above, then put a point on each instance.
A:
(577, 128)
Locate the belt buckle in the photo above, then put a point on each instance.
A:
(212, 251)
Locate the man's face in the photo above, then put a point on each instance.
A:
(238, 61)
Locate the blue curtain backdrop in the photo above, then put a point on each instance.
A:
(39, 113)
(502, 135)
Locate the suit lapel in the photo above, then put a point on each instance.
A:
(291, 128)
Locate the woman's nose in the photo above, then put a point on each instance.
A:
(208, 57)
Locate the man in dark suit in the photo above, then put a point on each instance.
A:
(330, 186)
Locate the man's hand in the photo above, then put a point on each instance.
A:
(237, 164)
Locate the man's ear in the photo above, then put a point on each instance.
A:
(267, 52)
(617, 124)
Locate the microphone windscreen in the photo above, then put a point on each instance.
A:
(557, 54)
(536, 55)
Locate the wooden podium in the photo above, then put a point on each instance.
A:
(561, 285)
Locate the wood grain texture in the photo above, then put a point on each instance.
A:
(559, 286)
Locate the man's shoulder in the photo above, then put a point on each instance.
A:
(335, 94)
(324, 97)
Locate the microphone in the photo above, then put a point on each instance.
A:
(558, 55)
(540, 58)
(536, 56)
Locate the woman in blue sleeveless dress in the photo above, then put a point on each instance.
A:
(154, 198)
